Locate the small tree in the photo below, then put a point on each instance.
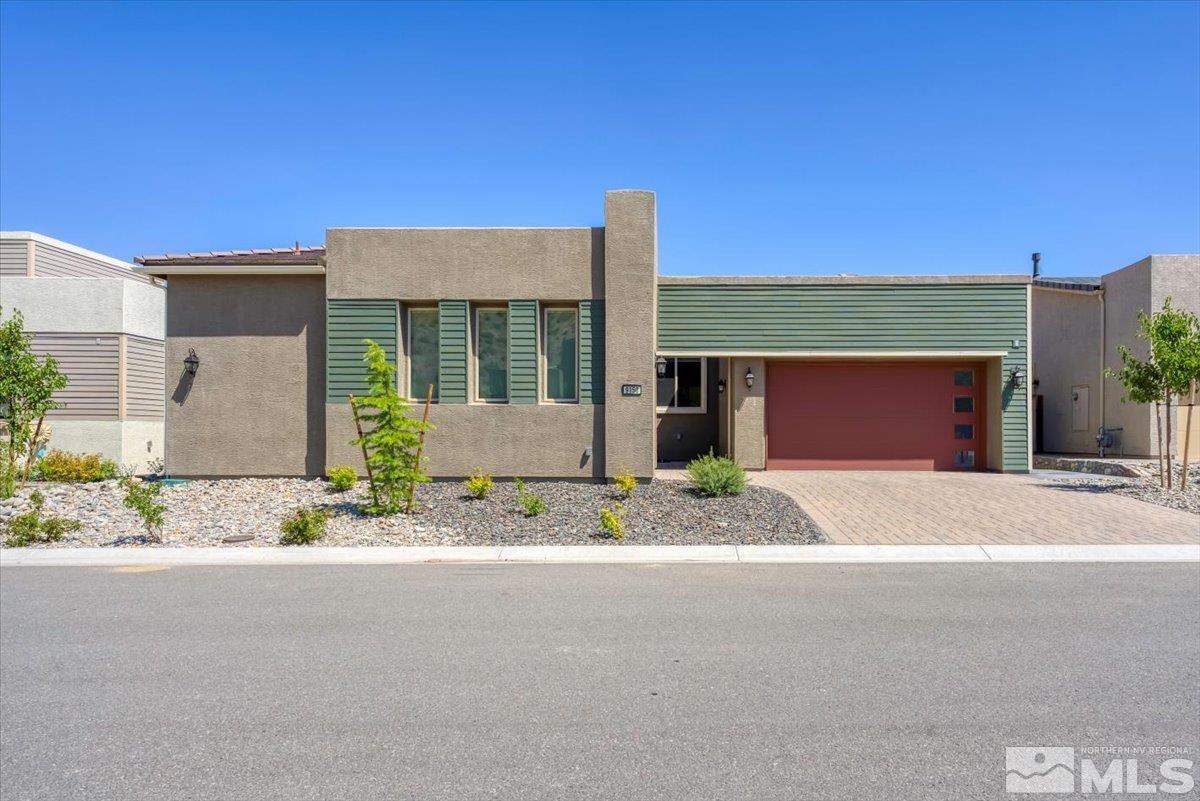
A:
(27, 387)
(391, 438)
(1173, 364)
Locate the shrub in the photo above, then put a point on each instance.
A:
(626, 484)
(342, 478)
(530, 503)
(142, 498)
(716, 476)
(27, 387)
(612, 521)
(304, 526)
(479, 484)
(28, 528)
(75, 468)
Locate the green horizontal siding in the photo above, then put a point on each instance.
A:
(522, 351)
(765, 318)
(452, 351)
(591, 351)
(347, 324)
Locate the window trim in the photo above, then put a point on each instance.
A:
(971, 398)
(474, 376)
(408, 329)
(543, 360)
(703, 407)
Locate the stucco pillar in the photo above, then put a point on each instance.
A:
(749, 413)
(630, 301)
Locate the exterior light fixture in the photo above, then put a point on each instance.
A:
(721, 385)
(1017, 377)
(192, 362)
(660, 365)
(749, 378)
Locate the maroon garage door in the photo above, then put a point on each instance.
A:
(875, 416)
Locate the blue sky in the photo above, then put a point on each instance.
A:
(813, 138)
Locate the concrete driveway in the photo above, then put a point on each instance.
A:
(881, 508)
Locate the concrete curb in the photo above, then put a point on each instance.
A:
(596, 554)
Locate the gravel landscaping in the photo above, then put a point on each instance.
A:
(202, 513)
(1146, 489)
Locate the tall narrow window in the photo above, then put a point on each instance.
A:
(422, 352)
(491, 354)
(560, 344)
(682, 388)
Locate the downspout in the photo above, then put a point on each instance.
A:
(1103, 356)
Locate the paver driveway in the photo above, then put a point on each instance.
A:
(879, 508)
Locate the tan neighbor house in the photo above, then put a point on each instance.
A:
(1078, 324)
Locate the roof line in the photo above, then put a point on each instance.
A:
(33, 236)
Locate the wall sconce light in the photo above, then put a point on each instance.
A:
(721, 385)
(660, 366)
(192, 362)
(1017, 377)
(749, 378)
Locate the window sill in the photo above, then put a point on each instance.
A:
(662, 410)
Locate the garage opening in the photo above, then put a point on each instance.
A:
(876, 415)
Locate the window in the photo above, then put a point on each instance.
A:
(964, 403)
(491, 354)
(682, 388)
(964, 378)
(964, 431)
(560, 350)
(422, 352)
(964, 458)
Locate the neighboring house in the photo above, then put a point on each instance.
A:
(104, 325)
(560, 352)
(1077, 325)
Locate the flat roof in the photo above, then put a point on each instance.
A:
(295, 255)
(1075, 284)
(880, 280)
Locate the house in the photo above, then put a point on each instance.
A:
(560, 352)
(1078, 323)
(103, 323)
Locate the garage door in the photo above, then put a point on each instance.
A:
(875, 416)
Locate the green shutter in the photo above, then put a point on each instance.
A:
(347, 324)
(591, 351)
(452, 351)
(522, 351)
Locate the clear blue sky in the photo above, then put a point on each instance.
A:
(892, 138)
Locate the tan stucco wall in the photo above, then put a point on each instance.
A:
(631, 298)
(1126, 292)
(1066, 354)
(255, 406)
(465, 263)
(749, 413)
(505, 440)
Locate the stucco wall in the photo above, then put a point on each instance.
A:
(103, 305)
(1066, 354)
(1126, 292)
(630, 279)
(684, 436)
(749, 413)
(132, 443)
(256, 404)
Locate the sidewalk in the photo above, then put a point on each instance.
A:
(595, 554)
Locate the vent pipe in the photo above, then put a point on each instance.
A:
(1037, 261)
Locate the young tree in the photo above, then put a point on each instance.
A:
(1171, 367)
(391, 438)
(27, 386)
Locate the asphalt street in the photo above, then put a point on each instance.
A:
(561, 682)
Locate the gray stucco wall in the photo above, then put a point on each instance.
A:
(749, 422)
(1126, 292)
(1066, 354)
(256, 405)
(630, 280)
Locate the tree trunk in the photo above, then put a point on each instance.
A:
(1162, 476)
(29, 457)
(1187, 438)
(1170, 455)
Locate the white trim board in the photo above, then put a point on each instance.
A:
(168, 270)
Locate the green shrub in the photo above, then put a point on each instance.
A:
(304, 526)
(716, 476)
(30, 527)
(612, 521)
(530, 503)
(75, 468)
(626, 484)
(342, 478)
(479, 484)
(142, 498)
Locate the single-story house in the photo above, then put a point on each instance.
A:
(1078, 324)
(104, 325)
(560, 352)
